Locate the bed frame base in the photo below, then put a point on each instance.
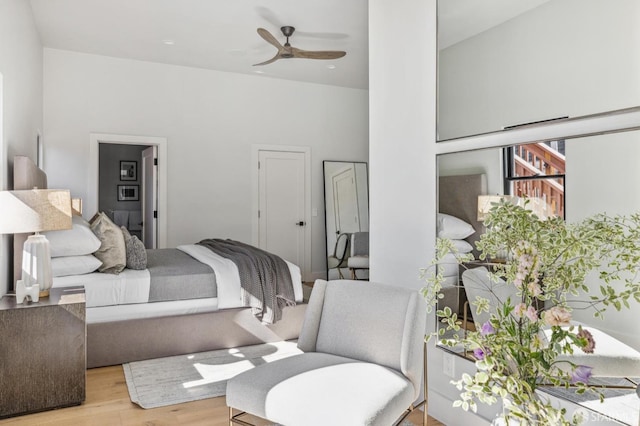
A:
(119, 342)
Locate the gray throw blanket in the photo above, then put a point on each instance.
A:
(264, 277)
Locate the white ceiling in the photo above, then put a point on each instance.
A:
(221, 34)
(215, 34)
(461, 19)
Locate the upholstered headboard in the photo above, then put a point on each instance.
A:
(26, 175)
(458, 196)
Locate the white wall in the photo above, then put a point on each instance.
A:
(487, 161)
(403, 163)
(564, 58)
(21, 100)
(211, 119)
(603, 177)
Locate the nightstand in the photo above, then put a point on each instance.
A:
(43, 352)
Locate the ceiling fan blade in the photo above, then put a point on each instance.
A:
(269, 38)
(275, 58)
(317, 54)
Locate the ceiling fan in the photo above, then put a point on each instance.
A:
(287, 51)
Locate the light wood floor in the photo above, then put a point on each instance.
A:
(108, 404)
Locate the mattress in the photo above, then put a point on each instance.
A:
(131, 293)
(168, 269)
(150, 310)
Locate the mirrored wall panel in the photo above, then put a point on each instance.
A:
(577, 178)
(346, 194)
(503, 63)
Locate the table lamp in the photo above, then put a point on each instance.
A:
(536, 204)
(35, 210)
(486, 202)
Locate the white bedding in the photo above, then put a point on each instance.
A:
(127, 293)
(130, 286)
(151, 310)
(228, 278)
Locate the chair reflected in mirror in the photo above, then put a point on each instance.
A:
(359, 258)
(611, 358)
(338, 260)
(346, 202)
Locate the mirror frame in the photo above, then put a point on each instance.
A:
(326, 212)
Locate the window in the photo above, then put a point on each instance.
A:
(537, 171)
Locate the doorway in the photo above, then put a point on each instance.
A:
(130, 191)
(282, 203)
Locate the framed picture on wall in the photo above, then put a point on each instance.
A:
(128, 192)
(129, 170)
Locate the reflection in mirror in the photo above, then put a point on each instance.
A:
(503, 63)
(346, 195)
(601, 176)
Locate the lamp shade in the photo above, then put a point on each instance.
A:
(34, 210)
(486, 202)
(537, 205)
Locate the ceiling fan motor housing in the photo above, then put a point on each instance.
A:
(287, 30)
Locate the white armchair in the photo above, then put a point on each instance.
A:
(362, 362)
(359, 258)
(611, 357)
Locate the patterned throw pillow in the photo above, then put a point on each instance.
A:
(112, 251)
(136, 252)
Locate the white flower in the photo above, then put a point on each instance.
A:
(557, 315)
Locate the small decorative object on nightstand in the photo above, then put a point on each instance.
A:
(43, 351)
(23, 292)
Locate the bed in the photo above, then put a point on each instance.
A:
(458, 221)
(187, 299)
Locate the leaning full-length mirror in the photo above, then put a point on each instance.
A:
(346, 195)
(573, 178)
(503, 63)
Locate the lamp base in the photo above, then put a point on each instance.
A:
(36, 264)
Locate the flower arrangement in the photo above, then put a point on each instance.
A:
(523, 345)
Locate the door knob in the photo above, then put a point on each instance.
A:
(301, 223)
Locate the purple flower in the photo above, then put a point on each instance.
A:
(481, 353)
(590, 342)
(487, 328)
(581, 373)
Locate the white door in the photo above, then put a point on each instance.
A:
(345, 202)
(282, 215)
(150, 197)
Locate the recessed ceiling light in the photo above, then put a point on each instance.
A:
(169, 42)
(259, 72)
(331, 67)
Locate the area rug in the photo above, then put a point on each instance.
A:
(183, 378)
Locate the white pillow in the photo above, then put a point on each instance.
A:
(77, 241)
(74, 265)
(449, 266)
(462, 246)
(453, 228)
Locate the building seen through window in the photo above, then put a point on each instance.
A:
(537, 171)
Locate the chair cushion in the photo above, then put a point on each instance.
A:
(337, 391)
(358, 262)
